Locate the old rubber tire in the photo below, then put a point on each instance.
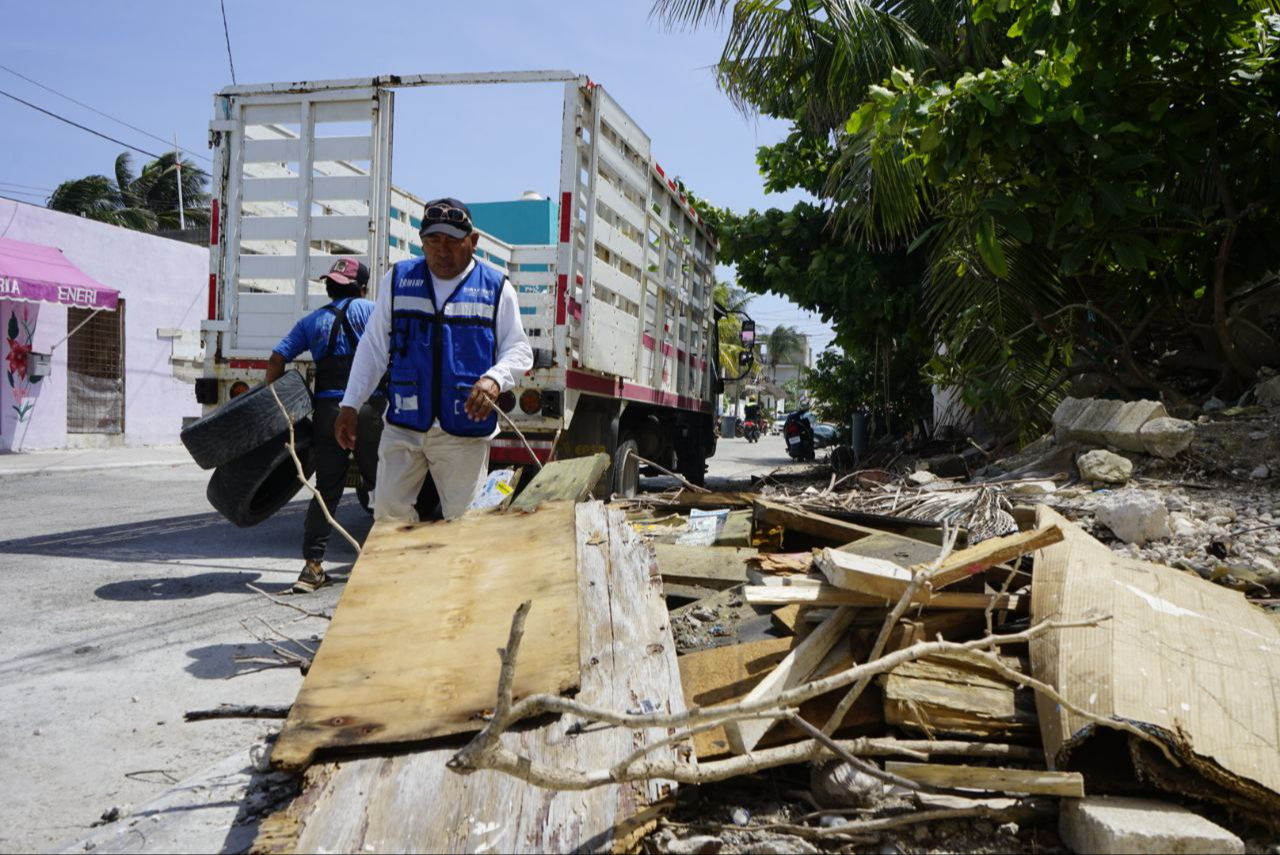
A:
(242, 424)
(254, 486)
(626, 469)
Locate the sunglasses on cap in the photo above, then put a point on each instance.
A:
(442, 212)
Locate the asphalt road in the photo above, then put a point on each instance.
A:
(121, 600)
(121, 596)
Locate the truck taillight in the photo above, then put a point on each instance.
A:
(238, 388)
(507, 401)
(531, 401)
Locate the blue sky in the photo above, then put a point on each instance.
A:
(156, 66)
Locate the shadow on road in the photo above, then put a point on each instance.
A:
(178, 587)
(218, 661)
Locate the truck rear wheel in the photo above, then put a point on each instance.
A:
(242, 424)
(252, 487)
(626, 469)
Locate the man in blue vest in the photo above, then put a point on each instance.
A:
(331, 333)
(447, 330)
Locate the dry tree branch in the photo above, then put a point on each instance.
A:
(485, 750)
(1018, 812)
(289, 605)
(302, 475)
(694, 487)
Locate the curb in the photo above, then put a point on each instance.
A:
(93, 467)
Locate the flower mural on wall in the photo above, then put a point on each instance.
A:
(21, 332)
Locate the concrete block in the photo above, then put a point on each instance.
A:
(1122, 430)
(1167, 437)
(1067, 412)
(1088, 426)
(1109, 824)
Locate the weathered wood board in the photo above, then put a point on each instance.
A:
(1065, 784)
(409, 655)
(724, 675)
(942, 695)
(791, 672)
(570, 479)
(413, 803)
(717, 567)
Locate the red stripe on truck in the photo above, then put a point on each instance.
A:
(256, 364)
(566, 206)
(562, 287)
(614, 388)
(213, 224)
(213, 296)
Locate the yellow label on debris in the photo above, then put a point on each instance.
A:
(504, 488)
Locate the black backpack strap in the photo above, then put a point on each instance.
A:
(341, 322)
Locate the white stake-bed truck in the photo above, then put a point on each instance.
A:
(619, 311)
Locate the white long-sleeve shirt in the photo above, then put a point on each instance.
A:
(515, 356)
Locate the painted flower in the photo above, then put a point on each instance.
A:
(19, 394)
(17, 358)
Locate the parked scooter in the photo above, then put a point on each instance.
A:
(750, 431)
(799, 435)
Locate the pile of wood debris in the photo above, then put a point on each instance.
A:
(567, 675)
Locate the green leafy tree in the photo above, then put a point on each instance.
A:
(1085, 190)
(783, 345)
(1106, 195)
(147, 201)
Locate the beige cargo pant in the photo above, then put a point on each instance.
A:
(459, 465)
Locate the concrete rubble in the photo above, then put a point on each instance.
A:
(1109, 825)
(1102, 465)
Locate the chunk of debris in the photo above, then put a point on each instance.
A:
(1111, 824)
(1135, 516)
(1167, 437)
(1102, 465)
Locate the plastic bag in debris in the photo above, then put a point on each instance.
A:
(497, 487)
(704, 527)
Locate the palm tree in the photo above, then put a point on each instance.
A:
(814, 59)
(146, 202)
(783, 346)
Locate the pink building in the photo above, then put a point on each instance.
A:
(109, 381)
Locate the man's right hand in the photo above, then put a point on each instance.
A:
(344, 428)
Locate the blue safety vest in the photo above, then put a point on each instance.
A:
(439, 352)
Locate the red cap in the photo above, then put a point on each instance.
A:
(348, 270)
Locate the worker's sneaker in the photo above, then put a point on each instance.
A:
(311, 578)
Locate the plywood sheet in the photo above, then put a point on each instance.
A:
(1183, 658)
(409, 655)
(412, 802)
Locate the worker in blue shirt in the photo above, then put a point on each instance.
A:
(331, 333)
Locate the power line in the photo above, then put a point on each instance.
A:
(25, 186)
(80, 126)
(95, 110)
(23, 193)
(227, 33)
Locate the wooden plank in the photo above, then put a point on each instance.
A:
(690, 500)
(413, 803)
(717, 567)
(903, 551)
(865, 575)
(1064, 784)
(737, 530)
(726, 674)
(570, 479)
(782, 562)
(807, 522)
(408, 655)
(829, 595)
(788, 617)
(791, 672)
(997, 550)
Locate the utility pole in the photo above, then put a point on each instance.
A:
(177, 161)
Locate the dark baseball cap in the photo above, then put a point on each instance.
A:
(348, 270)
(446, 216)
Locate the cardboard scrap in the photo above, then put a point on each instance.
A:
(1195, 664)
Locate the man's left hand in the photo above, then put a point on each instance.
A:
(480, 401)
